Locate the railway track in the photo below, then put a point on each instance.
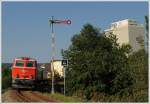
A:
(21, 96)
(26, 96)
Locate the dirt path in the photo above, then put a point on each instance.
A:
(25, 96)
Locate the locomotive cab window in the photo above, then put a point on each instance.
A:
(19, 63)
(29, 64)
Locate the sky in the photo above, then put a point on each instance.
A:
(26, 30)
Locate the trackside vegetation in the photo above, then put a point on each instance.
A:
(61, 98)
(101, 70)
(6, 78)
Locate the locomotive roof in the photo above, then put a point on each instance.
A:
(25, 58)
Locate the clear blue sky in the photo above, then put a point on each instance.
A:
(26, 31)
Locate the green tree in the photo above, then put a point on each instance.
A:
(96, 63)
(6, 78)
(139, 69)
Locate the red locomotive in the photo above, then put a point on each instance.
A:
(24, 72)
(27, 74)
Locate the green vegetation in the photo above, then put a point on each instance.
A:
(139, 65)
(101, 70)
(61, 98)
(6, 78)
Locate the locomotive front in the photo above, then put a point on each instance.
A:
(24, 72)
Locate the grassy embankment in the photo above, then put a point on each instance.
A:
(61, 98)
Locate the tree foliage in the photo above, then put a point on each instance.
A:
(139, 65)
(96, 63)
(6, 78)
(139, 69)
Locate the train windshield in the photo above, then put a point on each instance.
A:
(30, 64)
(19, 63)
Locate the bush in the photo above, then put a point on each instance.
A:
(6, 78)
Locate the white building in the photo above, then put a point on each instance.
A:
(58, 67)
(128, 32)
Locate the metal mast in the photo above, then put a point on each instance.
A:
(53, 54)
(52, 22)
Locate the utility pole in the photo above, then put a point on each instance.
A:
(52, 22)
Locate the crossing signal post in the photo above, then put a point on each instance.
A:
(64, 63)
(53, 21)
